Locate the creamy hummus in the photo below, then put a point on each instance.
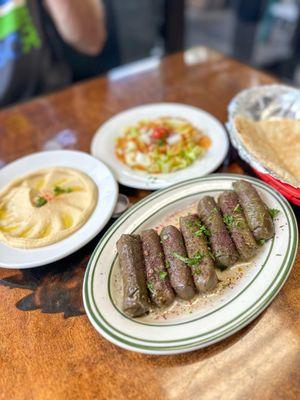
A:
(45, 207)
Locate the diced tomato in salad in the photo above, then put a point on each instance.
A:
(160, 133)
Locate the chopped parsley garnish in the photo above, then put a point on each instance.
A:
(150, 286)
(202, 228)
(210, 254)
(196, 271)
(201, 231)
(181, 258)
(239, 223)
(40, 201)
(273, 212)
(261, 242)
(163, 275)
(233, 222)
(238, 208)
(214, 210)
(212, 213)
(190, 261)
(228, 220)
(59, 190)
(193, 223)
(167, 264)
(218, 254)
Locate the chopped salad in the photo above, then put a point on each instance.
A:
(161, 145)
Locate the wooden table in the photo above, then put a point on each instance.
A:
(48, 348)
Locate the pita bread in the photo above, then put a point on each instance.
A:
(274, 143)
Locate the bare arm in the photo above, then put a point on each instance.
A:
(81, 23)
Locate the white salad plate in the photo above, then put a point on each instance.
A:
(103, 144)
(11, 257)
(222, 313)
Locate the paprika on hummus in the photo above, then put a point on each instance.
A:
(45, 207)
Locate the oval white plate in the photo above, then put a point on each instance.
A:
(224, 315)
(11, 257)
(103, 144)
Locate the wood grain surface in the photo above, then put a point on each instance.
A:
(48, 348)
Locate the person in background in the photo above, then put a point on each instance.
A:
(31, 55)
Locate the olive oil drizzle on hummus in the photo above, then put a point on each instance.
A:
(45, 207)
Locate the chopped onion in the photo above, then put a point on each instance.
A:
(173, 138)
(145, 138)
(130, 159)
(130, 146)
(142, 159)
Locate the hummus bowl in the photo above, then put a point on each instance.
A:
(51, 204)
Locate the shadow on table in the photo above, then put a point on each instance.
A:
(56, 287)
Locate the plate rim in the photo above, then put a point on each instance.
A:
(267, 296)
(151, 184)
(82, 243)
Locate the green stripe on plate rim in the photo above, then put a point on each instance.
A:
(201, 343)
(178, 323)
(253, 310)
